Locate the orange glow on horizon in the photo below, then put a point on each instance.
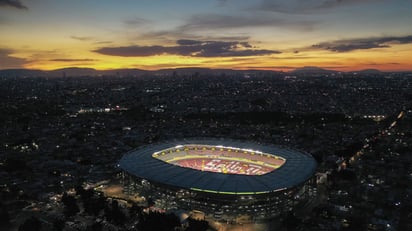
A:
(395, 58)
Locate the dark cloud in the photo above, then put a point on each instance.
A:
(165, 66)
(380, 64)
(347, 45)
(103, 42)
(131, 51)
(216, 21)
(188, 42)
(7, 61)
(73, 60)
(252, 66)
(307, 6)
(174, 34)
(326, 4)
(82, 38)
(13, 3)
(194, 48)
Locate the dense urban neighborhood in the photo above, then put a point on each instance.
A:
(63, 133)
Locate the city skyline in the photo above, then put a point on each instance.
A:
(269, 35)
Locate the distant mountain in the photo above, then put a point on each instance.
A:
(73, 71)
(368, 71)
(312, 70)
(126, 72)
(183, 71)
(76, 71)
(21, 73)
(209, 71)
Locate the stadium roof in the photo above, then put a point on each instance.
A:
(299, 167)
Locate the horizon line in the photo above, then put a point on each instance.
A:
(291, 69)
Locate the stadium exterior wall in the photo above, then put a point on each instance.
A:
(228, 204)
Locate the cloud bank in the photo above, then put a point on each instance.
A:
(82, 38)
(13, 3)
(193, 48)
(307, 6)
(347, 45)
(6, 61)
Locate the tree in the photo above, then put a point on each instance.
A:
(158, 221)
(14, 164)
(31, 224)
(96, 226)
(84, 194)
(196, 225)
(4, 215)
(291, 222)
(135, 210)
(357, 223)
(70, 205)
(114, 213)
(58, 224)
(94, 205)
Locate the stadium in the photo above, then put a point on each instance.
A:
(221, 179)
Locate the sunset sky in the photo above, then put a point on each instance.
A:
(239, 34)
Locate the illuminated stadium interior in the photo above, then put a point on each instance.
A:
(220, 159)
(224, 179)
